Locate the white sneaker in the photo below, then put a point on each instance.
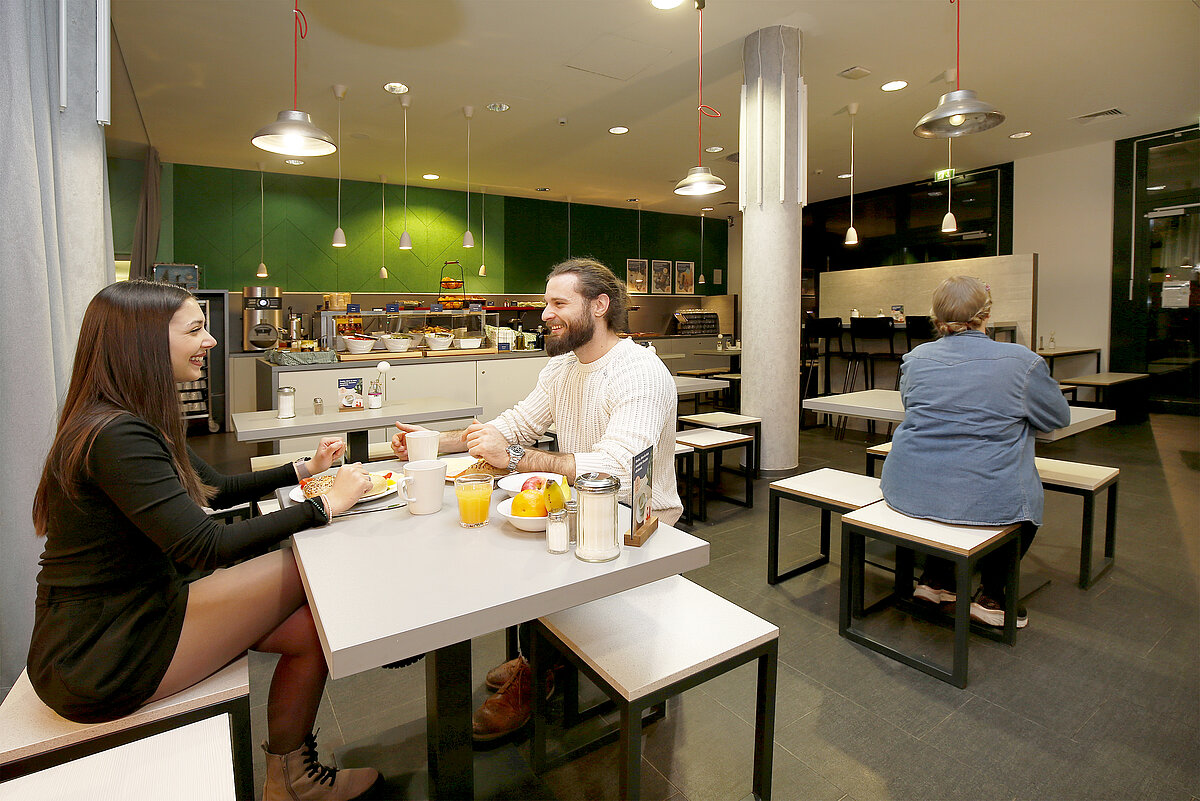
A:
(933, 594)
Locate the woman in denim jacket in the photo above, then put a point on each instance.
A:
(964, 453)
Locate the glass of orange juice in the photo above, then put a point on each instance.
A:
(474, 493)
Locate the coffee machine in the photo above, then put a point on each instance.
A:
(262, 316)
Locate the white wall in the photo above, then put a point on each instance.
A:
(1063, 211)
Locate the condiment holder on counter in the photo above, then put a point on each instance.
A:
(598, 540)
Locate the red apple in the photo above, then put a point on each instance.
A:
(534, 483)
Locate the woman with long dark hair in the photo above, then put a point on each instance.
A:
(120, 503)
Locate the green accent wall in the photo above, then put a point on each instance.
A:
(211, 218)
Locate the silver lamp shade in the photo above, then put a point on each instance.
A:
(699, 181)
(958, 113)
(293, 134)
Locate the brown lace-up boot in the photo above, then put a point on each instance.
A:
(509, 709)
(298, 776)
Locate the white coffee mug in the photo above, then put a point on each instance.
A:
(422, 445)
(423, 485)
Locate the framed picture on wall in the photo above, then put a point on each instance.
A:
(660, 277)
(636, 274)
(685, 278)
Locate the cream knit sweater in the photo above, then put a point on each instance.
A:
(604, 413)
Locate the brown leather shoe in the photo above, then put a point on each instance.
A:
(498, 676)
(508, 710)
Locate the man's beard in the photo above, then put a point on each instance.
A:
(577, 334)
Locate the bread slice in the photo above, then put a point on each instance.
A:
(318, 485)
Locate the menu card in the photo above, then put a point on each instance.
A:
(643, 523)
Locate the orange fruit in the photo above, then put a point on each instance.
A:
(529, 503)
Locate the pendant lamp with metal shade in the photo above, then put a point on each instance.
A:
(339, 236)
(851, 234)
(949, 224)
(262, 228)
(383, 273)
(700, 180)
(293, 132)
(405, 239)
(960, 112)
(468, 237)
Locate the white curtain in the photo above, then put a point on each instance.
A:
(55, 254)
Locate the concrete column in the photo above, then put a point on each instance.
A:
(770, 167)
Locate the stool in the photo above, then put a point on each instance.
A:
(828, 490)
(918, 330)
(863, 332)
(33, 737)
(708, 441)
(647, 644)
(731, 422)
(1073, 478)
(684, 466)
(962, 545)
(733, 396)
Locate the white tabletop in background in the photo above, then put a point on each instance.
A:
(885, 404)
(388, 585)
(689, 385)
(715, 352)
(263, 426)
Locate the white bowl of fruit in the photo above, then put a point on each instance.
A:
(528, 508)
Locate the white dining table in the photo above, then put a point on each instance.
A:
(266, 426)
(389, 585)
(885, 404)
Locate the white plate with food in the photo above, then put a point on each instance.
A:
(523, 522)
(382, 484)
(512, 484)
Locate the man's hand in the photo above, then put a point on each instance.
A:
(399, 444)
(486, 442)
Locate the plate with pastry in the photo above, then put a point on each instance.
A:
(461, 465)
(382, 484)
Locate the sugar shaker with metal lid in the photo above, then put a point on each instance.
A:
(286, 402)
(597, 498)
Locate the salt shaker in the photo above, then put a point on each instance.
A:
(572, 509)
(598, 540)
(318, 406)
(558, 537)
(285, 402)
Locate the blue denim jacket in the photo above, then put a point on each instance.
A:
(964, 453)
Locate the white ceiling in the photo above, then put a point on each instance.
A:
(205, 74)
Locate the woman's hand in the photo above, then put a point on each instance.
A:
(330, 449)
(350, 484)
(399, 443)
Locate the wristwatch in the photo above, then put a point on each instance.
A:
(515, 454)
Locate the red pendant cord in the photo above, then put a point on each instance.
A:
(702, 110)
(957, 42)
(300, 33)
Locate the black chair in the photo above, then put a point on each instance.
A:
(918, 330)
(819, 337)
(871, 341)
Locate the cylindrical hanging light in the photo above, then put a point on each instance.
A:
(700, 280)
(483, 234)
(339, 236)
(262, 228)
(699, 179)
(383, 273)
(959, 112)
(293, 132)
(405, 239)
(851, 234)
(468, 238)
(949, 224)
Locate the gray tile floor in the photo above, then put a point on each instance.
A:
(1099, 699)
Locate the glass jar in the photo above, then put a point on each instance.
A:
(558, 536)
(597, 516)
(318, 406)
(572, 509)
(285, 402)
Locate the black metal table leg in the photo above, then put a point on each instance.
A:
(358, 449)
(448, 721)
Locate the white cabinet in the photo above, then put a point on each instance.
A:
(500, 384)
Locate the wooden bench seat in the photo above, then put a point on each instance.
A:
(33, 737)
(712, 442)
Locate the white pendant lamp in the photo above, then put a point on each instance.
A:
(949, 224)
(960, 112)
(293, 132)
(851, 234)
(383, 273)
(339, 236)
(699, 179)
(483, 234)
(468, 238)
(405, 239)
(262, 229)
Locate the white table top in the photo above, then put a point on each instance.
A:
(690, 385)
(388, 585)
(265, 426)
(715, 352)
(1066, 350)
(884, 404)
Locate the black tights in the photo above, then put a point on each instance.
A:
(992, 567)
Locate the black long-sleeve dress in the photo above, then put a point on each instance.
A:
(110, 598)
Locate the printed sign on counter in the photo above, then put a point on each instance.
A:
(350, 394)
(353, 308)
(392, 308)
(643, 523)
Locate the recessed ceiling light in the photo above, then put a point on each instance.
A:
(431, 176)
(497, 107)
(707, 208)
(666, 4)
(844, 175)
(1156, 188)
(294, 162)
(542, 189)
(1020, 134)
(713, 149)
(618, 129)
(632, 199)
(395, 87)
(894, 86)
(361, 136)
